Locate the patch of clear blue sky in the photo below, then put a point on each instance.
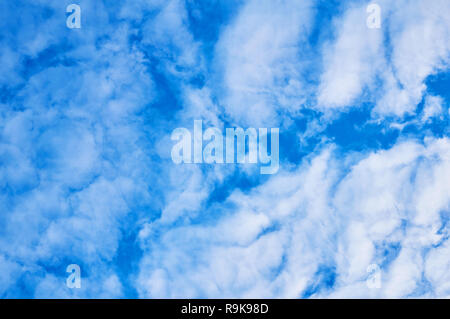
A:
(323, 279)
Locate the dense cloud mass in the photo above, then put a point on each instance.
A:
(86, 175)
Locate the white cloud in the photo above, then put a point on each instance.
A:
(272, 241)
(351, 62)
(77, 166)
(74, 165)
(259, 57)
(432, 107)
(357, 64)
(389, 195)
(436, 269)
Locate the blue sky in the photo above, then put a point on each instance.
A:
(86, 175)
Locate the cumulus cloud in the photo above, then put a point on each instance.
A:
(259, 55)
(86, 175)
(398, 57)
(351, 61)
(433, 107)
(262, 247)
(71, 162)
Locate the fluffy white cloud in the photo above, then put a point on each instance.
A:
(73, 164)
(259, 57)
(433, 107)
(84, 161)
(360, 63)
(351, 62)
(273, 241)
